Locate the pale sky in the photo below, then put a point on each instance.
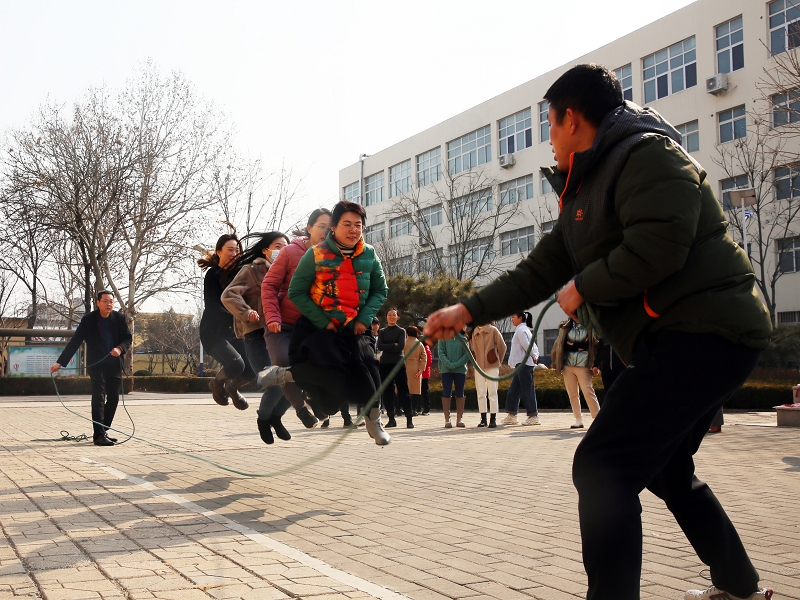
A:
(317, 82)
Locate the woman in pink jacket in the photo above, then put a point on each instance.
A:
(280, 313)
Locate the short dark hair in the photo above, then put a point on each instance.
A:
(589, 89)
(390, 309)
(343, 206)
(102, 293)
(412, 331)
(376, 321)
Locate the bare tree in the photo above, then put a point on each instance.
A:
(760, 161)
(7, 321)
(396, 258)
(466, 207)
(27, 246)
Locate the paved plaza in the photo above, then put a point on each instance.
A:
(459, 513)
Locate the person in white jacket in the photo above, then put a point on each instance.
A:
(522, 384)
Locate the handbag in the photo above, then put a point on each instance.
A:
(491, 356)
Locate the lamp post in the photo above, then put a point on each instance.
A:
(200, 368)
(744, 197)
(361, 158)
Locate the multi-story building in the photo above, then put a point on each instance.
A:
(700, 67)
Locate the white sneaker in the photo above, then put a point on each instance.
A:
(577, 424)
(534, 420)
(713, 593)
(273, 375)
(510, 420)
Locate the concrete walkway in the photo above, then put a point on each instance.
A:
(460, 513)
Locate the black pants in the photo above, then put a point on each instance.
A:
(390, 397)
(106, 383)
(651, 424)
(231, 354)
(332, 368)
(426, 396)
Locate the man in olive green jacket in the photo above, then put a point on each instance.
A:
(642, 240)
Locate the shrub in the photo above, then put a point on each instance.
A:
(142, 373)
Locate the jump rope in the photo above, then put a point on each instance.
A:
(585, 313)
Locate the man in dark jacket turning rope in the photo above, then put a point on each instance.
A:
(643, 242)
(107, 338)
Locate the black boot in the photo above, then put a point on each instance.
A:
(391, 423)
(217, 388)
(280, 430)
(409, 424)
(493, 421)
(483, 420)
(264, 431)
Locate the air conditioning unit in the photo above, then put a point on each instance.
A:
(507, 161)
(717, 84)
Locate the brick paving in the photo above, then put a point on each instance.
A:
(460, 513)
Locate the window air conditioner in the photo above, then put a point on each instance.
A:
(507, 161)
(717, 84)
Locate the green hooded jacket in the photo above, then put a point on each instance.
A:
(645, 239)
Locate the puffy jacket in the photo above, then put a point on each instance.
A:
(275, 287)
(216, 323)
(644, 237)
(426, 374)
(453, 357)
(243, 294)
(327, 286)
(485, 338)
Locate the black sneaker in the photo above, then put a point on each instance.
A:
(326, 423)
(309, 421)
(103, 441)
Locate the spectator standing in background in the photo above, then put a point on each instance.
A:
(391, 341)
(522, 386)
(488, 348)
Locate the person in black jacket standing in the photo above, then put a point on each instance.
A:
(391, 343)
(107, 337)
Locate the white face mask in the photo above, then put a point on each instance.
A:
(274, 255)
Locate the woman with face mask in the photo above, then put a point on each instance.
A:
(242, 298)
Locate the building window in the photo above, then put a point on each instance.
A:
(625, 76)
(730, 46)
(429, 167)
(471, 204)
(520, 241)
(404, 264)
(430, 261)
(549, 337)
(400, 179)
(785, 108)
(515, 132)
(548, 226)
(375, 233)
(785, 318)
(784, 25)
(352, 193)
(399, 226)
(732, 124)
(789, 254)
(516, 190)
(470, 151)
(432, 215)
(669, 71)
(787, 183)
(473, 251)
(546, 187)
(544, 124)
(732, 183)
(373, 189)
(690, 136)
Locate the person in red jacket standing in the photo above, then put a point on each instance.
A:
(280, 313)
(426, 376)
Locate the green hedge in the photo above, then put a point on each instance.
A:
(550, 392)
(43, 386)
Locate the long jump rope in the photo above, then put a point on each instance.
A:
(585, 314)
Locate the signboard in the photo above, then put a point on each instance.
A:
(35, 361)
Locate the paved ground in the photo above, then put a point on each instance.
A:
(461, 513)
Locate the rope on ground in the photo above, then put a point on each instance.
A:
(327, 450)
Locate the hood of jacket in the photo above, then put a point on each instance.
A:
(626, 120)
